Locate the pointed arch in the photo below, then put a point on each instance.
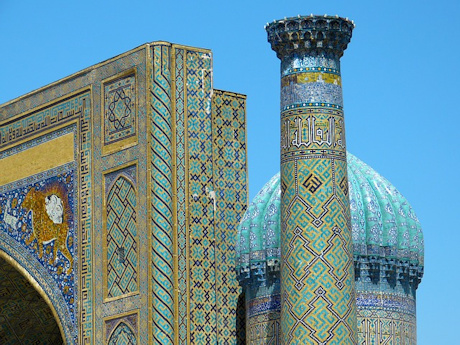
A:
(122, 334)
(121, 238)
(35, 287)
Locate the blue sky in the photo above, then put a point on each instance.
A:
(400, 80)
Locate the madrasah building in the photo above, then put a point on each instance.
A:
(124, 215)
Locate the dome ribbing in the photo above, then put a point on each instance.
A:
(385, 228)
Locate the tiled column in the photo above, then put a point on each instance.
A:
(318, 303)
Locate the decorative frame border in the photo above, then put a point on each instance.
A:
(131, 140)
(106, 337)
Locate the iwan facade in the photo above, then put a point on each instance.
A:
(121, 189)
(123, 196)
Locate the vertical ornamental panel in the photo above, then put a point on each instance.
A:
(229, 174)
(161, 202)
(121, 241)
(181, 196)
(201, 203)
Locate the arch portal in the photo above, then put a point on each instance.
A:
(25, 315)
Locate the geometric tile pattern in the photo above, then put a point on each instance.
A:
(263, 307)
(386, 274)
(74, 279)
(127, 157)
(191, 230)
(122, 335)
(316, 232)
(131, 321)
(52, 244)
(85, 240)
(122, 247)
(181, 197)
(317, 285)
(230, 184)
(387, 321)
(119, 109)
(161, 207)
(203, 326)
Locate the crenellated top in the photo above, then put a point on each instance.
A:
(311, 34)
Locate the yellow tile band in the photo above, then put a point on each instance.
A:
(39, 158)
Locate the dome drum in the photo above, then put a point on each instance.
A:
(387, 253)
(392, 271)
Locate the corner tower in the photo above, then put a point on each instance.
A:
(318, 303)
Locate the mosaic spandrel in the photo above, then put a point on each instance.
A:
(40, 217)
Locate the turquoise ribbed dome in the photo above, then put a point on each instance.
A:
(384, 225)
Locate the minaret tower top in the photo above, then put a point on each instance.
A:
(325, 34)
(318, 303)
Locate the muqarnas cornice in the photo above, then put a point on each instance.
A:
(312, 34)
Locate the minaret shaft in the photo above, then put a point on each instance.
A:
(317, 283)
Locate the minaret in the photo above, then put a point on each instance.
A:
(318, 303)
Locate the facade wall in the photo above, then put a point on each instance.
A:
(121, 190)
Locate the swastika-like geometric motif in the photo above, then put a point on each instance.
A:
(122, 247)
(312, 183)
(122, 335)
(230, 183)
(387, 273)
(119, 109)
(161, 207)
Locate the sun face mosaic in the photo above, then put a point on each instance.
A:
(40, 217)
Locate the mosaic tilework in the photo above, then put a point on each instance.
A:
(130, 320)
(161, 198)
(121, 156)
(263, 308)
(386, 302)
(387, 272)
(385, 225)
(122, 246)
(122, 335)
(85, 241)
(40, 217)
(386, 318)
(181, 198)
(43, 122)
(230, 183)
(317, 266)
(120, 109)
(311, 87)
(164, 172)
(203, 328)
